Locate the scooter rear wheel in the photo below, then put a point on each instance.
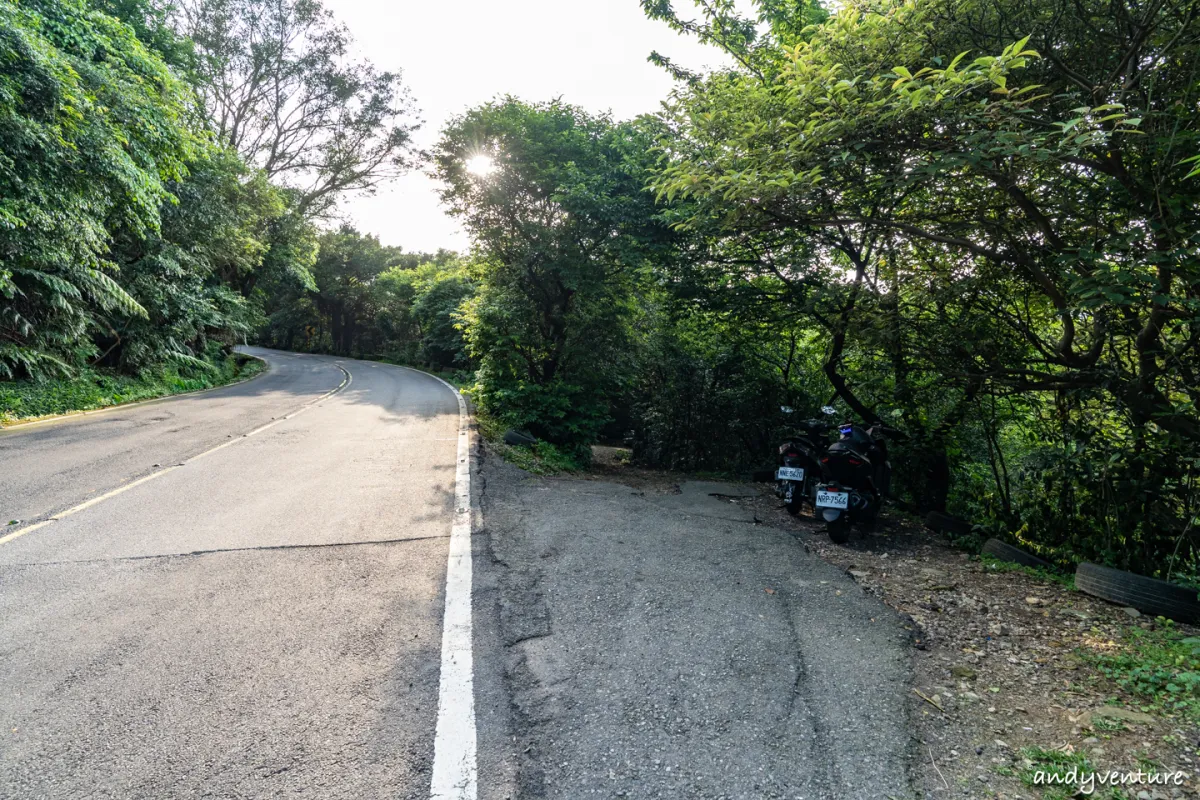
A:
(794, 498)
(793, 505)
(838, 529)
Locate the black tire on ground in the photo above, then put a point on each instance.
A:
(1148, 595)
(793, 507)
(944, 523)
(839, 530)
(519, 438)
(1006, 552)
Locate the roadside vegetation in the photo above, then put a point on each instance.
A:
(88, 389)
(166, 168)
(976, 223)
(1160, 667)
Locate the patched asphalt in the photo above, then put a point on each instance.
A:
(658, 645)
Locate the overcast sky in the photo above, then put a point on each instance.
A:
(460, 53)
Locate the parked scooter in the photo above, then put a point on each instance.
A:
(857, 477)
(799, 469)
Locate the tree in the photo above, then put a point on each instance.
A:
(554, 198)
(347, 265)
(436, 309)
(213, 239)
(276, 80)
(91, 131)
(366, 299)
(152, 24)
(990, 201)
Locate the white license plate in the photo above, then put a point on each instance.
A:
(789, 474)
(833, 499)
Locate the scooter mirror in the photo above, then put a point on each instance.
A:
(787, 409)
(828, 410)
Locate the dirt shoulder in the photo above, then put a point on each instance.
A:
(1005, 660)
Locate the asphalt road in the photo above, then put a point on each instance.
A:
(264, 620)
(260, 616)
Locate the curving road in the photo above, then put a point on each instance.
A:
(261, 619)
(240, 594)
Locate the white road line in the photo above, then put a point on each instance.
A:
(454, 766)
(346, 381)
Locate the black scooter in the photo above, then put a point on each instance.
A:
(799, 468)
(857, 477)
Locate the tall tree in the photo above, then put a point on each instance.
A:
(555, 200)
(278, 82)
(1063, 170)
(991, 200)
(91, 131)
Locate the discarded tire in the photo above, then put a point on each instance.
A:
(1006, 552)
(1148, 595)
(944, 523)
(519, 438)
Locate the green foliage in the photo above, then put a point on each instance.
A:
(91, 130)
(981, 217)
(132, 233)
(565, 231)
(1161, 667)
(435, 308)
(372, 301)
(91, 388)
(186, 275)
(991, 564)
(542, 458)
(128, 240)
(710, 391)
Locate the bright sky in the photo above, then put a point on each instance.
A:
(459, 53)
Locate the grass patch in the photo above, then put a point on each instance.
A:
(1160, 667)
(1067, 766)
(542, 458)
(91, 389)
(997, 565)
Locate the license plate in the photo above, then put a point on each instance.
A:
(833, 499)
(789, 474)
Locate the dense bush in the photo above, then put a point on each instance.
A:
(91, 131)
(91, 388)
(137, 228)
(985, 215)
(709, 395)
